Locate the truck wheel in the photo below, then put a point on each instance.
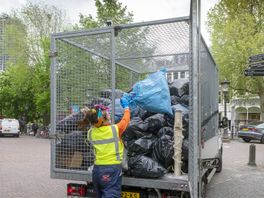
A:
(247, 140)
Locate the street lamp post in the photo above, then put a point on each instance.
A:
(224, 86)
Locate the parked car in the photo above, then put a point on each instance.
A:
(252, 131)
(9, 127)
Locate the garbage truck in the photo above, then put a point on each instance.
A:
(99, 65)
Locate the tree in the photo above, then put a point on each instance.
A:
(237, 30)
(26, 83)
(107, 10)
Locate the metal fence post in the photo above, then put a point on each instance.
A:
(252, 155)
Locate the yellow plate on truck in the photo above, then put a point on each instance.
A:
(130, 195)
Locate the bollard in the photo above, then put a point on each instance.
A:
(252, 155)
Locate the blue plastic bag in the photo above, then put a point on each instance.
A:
(151, 94)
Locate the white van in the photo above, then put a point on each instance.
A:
(9, 127)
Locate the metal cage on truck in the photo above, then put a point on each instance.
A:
(115, 57)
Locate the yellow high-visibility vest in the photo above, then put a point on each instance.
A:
(107, 145)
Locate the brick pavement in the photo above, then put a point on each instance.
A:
(25, 169)
(238, 180)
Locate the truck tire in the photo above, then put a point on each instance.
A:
(220, 162)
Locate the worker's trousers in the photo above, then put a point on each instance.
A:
(107, 181)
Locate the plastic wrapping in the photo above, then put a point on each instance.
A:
(155, 123)
(179, 87)
(163, 151)
(151, 94)
(141, 146)
(166, 131)
(142, 166)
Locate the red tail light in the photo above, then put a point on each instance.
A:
(253, 129)
(76, 190)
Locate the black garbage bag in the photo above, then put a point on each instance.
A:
(142, 166)
(184, 167)
(143, 114)
(107, 93)
(175, 100)
(163, 151)
(70, 123)
(76, 141)
(184, 100)
(136, 130)
(185, 126)
(155, 122)
(184, 89)
(166, 131)
(185, 149)
(175, 87)
(141, 146)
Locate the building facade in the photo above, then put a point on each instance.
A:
(241, 111)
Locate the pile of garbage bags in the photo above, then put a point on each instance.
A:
(148, 140)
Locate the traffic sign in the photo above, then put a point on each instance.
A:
(258, 65)
(254, 72)
(256, 58)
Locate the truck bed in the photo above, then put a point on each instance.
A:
(168, 182)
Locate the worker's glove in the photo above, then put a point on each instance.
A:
(124, 103)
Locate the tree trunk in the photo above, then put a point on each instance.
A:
(261, 96)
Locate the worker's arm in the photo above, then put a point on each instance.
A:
(123, 124)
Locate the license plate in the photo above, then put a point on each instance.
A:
(245, 129)
(130, 195)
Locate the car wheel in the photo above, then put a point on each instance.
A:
(262, 139)
(246, 139)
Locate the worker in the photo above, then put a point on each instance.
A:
(108, 146)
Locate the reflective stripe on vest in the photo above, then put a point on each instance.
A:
(115, 140)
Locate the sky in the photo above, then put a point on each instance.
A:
(143, 10)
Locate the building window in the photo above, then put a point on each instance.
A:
(182, 74)
(175, 75)
(187, 74)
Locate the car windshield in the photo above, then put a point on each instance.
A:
(260, 125)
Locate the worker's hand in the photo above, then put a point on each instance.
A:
(124, 103)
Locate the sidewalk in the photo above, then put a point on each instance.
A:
(238, 180)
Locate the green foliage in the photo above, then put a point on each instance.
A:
(25, 85)
(107, 10)
(237, 29)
